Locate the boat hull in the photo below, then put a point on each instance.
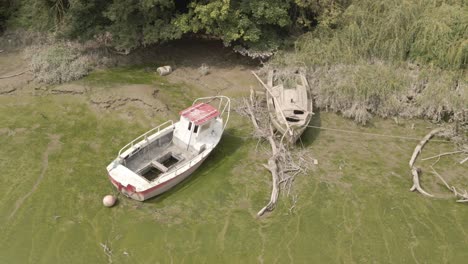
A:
(281, 126)
(157, 189)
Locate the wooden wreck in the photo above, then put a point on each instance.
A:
(290, 108)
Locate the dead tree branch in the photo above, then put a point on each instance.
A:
(414, 170)
(444, 154)
(462, 197)
(463, 161)
(282, 164)
(13, 75)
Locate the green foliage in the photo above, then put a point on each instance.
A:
(84, 19)
(37, 15)
(425, 31)
(252, 23)
(4, 13)
(123, 75)
(325, 12)
(135, 23)
(128, 24)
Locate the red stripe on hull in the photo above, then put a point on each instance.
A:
(130, 191)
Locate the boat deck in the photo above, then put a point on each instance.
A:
(158, 157)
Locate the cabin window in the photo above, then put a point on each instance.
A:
(189, 125)
(195, 130)
(292, 119)
(204, 127)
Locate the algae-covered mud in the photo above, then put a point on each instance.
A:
(354, 206)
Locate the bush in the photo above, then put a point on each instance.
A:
(59, 63)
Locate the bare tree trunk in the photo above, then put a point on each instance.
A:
(421, 144)
(414, 170)
(273, 168)
(416, 185)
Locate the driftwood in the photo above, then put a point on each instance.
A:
(444, 154)
(416, 184)
(13, 75)
(463, 161)
(416, 171)
(272, 161)
(282, 164)
(462, 197)
(273, 168)
(421, 144)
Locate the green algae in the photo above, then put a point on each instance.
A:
(123, 75)
(353, 207)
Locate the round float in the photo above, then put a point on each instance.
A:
(109, 200)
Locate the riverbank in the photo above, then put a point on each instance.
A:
(355, 206)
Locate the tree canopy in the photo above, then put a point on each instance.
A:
(259, 24)
(428, 31)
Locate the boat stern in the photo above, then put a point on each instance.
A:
(121, 178)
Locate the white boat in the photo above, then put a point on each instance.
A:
(167, 154)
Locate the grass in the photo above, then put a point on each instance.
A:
(354, 207)
(423, 31)
(362, 90)
(123, 75)
(388, 58)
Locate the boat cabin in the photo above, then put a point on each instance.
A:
(196, 124)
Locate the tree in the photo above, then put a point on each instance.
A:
(254, 24)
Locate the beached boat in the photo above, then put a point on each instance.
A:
(290, 108)
(167, 154)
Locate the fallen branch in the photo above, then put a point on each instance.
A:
(416, 185)
(283, 165)
(463, 197)
(444, 154)
(272, 165)
(11, 76)
(414, 170)
(463, 161)
(107, 251)
(421, 144)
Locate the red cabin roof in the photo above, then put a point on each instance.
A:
(200, 113)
